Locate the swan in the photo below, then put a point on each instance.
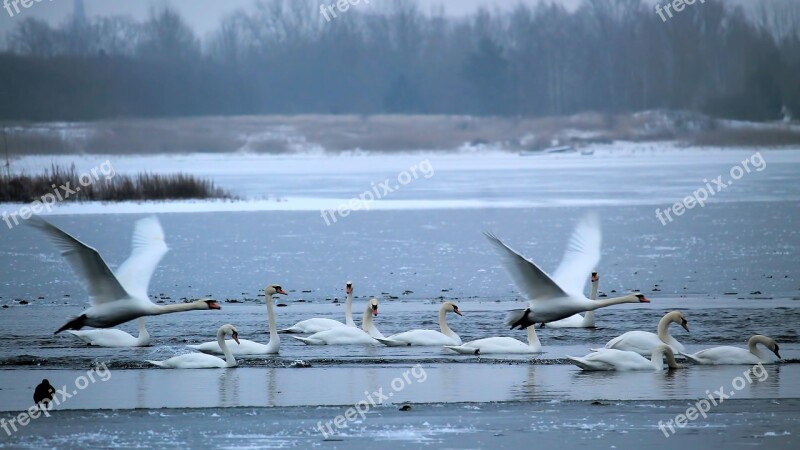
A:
(318, 324)
(117, 298)
(557, 298)
(734, 355)
(246, 346)
(505, 345)
(577, 320)
(612, 359)
(201, 360)
(428, 337)
(113, 337)
(643, 342)
(349, 335)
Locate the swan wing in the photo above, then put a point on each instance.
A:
(534, 283)
(581, 257)
(89, 266)
(149, 247)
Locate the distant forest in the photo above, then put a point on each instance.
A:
(282, 57)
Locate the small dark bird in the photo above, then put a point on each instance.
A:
(43, 393)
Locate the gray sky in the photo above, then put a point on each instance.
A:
(204, 15)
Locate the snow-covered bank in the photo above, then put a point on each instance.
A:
(617, 174)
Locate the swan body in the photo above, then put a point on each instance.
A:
(318, 324)
(113, 337)
(122, 296)
(349, 335)
(622, 360)
(201, 360)
(726, 355)
(428, 337)
(500, 345)
(644, 342)
(559, 297)
(246, 346)
(577, 320)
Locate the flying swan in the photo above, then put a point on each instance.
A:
(117, 298)
(556, 298)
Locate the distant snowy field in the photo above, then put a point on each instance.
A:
(614, 175)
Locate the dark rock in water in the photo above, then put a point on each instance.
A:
(655, 290)
(23, 302)
(406, 292)
(40, 298)
(755, 293)
(307, 291)
(731, 293)
(281, 305)
(5, 306)
(405, 408)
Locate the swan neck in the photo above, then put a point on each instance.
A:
(178, 307)
(663, 328)
(366, 323)
(752, 345)
(230, 361)
(143, 334)
(348, 310)
(593, 295)
(443, 323)
(613, 301)
(533, 338)
(273, 328)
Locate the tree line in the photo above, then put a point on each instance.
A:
(283, 57)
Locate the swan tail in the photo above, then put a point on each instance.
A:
(464, 350)
(289, 330)
(391, 343)
(519, 318)
(308, 341)
(691, 357)
(74, 324)
(156, 363)
(580, 362)
(613, 343)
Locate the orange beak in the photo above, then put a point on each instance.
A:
(281, 291)
(214, 305)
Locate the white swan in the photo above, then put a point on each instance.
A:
(122, 297)
(318, 324)
(428, 337)
(556, 298)
(644, 342)
(113, 338)
(734, 355)
(577, 320)
(246, 346)
(201, 360)
(349, 335)
(498, 345)
(612, 359)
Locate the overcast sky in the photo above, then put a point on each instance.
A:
(204, 15)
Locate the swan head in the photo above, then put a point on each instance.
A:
(678, 317)
(373, 304)
(451, 307)
(640, 297)
(595, 277)
(229, 329)
(349, 287)
(770, 344)
(207, 303)
(273, 289)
